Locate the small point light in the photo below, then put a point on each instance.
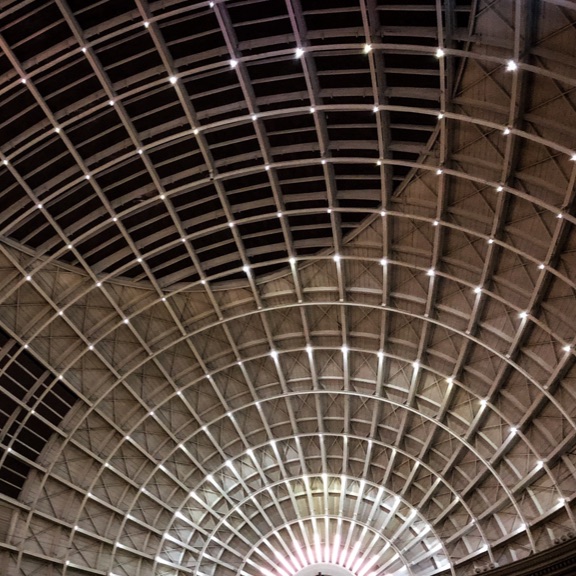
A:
(477, 290)
(573, 158)
(439, 171)
(312, 109)
(367, 48)
(559, 215)
(233, 63)
(299, 52)
(126, 321)
(523, 314)
(267, 167)
(274, 354)
(375, 109)
(57, 130)
(23, 80)
(440, 116)
(292, 260)
(254, 117)
(279, 214)
(87, 176)
(440, 53)
(140, 151)
(231, 224)
(541, 266)
(506, 131)
(39, 206)
(431, 272)
(173, 79)
(378, 162)
(490, 240)
(511, 65)
(146, 24)
(513, 429)
(83, 49)
(336, 258)
(567, 348)
(435, 223)
(344, 349)
(383, 262)
(499, 188)
(111, 102)
(28, 278)
(246, 269)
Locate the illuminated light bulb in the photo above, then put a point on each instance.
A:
(336, 258)
(439, 171)
(440, 53)
(566, 348)
(231, 224)
(267, 167)
(111, 102)
(440, 116)
(126, 321)
(499, 188)
(299, 52)
(162, 196)
(322, 161)
(559, 215)
(378, 162)
(292, 261)
(541, 266)
(146, 24)
(382, 213)
(450, 381)
(83, 49)
(5, 162)
(573, 158)
(279, 214)
(28, 278)
(195, 131)
(173, 79)
(483, 402)
(344, 349)
(57, 130)
(511, 65)
(380, 355)
(233, 63)
(39, 206)
(384, 262)
(375, 109)
(312, 109)
(23, 80)
(140, 151)
(87, 176)
(415, 365)
(98, 284)
(254, 117)
(309, 349)
(367, 48)
(513, 429)
(435, 223)
(523, 314)
(274, 354)
(490, 240)
(506, 131)
(246, 269)
(431, 272)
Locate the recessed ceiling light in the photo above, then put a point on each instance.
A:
(511, 65)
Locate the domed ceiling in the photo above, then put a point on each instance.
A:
(286, 286)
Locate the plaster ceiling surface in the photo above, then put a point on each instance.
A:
(286, 284)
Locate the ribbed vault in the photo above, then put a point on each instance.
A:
(286, 283)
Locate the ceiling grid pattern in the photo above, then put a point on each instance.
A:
(285, 283)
